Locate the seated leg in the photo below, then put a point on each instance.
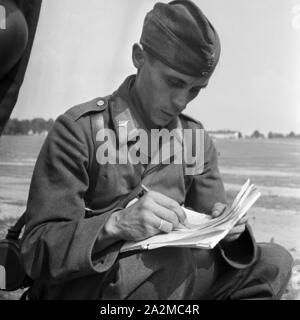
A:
(266, 279)
(165, 273)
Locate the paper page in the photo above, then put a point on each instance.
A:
(160, 238)
(203, 231)
(205, 239)
(208, 241)
(194, 218)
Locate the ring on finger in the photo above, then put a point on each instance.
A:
(161, 224)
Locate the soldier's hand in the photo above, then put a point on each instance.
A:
(239, 227)
(237, 230)
(152, 214)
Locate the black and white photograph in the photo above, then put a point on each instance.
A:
(149, 150)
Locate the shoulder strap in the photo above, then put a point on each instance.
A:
(97, 124)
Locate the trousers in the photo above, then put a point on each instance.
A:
(193, 274)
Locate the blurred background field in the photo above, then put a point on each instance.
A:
(273, 165)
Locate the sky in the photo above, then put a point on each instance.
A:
(82, 50)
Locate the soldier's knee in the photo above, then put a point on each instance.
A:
(276, 263)
(173, 271)
(279, 257)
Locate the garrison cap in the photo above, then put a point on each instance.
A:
(180, 36)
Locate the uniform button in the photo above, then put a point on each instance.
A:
(204, 73)
(100, 103)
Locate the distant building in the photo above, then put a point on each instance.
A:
(225, 134)
(43, 133)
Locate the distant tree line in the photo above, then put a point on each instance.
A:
(28, 127)
(274, 135)
(41, 126)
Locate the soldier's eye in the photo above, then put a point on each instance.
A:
(175, 83)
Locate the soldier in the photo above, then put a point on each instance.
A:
(78, 215)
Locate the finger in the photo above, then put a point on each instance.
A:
(164, 226)
(232, 237)
(237, 230)
(218, 209)
(180, 214)
(243, 220)
(170, 204)
(165, 214)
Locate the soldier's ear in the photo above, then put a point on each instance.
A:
(138, 57)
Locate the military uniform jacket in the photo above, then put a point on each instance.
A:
(72, 195)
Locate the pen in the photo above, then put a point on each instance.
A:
(138, 196)
(144, 188)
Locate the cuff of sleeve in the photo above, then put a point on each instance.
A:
(102, 261)
(241, 253)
